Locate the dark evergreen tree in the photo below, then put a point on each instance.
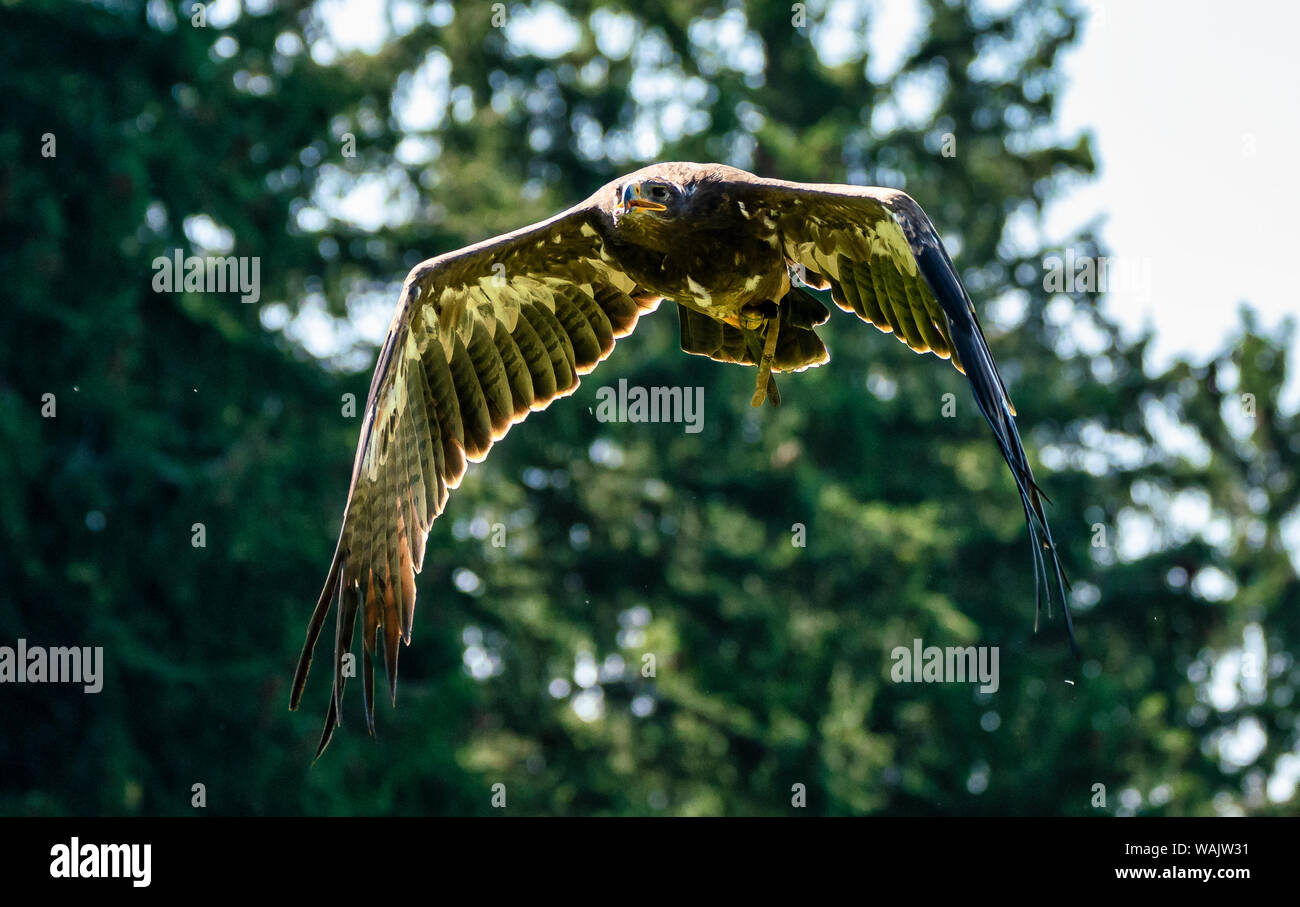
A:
(583, 547)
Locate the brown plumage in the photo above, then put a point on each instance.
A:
(485, 335)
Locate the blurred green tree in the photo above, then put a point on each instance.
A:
(280, 134)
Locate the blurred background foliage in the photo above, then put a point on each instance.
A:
(275, 131)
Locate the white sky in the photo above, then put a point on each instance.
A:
(1195, 109)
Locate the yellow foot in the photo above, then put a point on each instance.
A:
(766, 388)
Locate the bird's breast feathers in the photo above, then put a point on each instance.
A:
(717, 279)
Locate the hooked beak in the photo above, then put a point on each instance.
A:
(632, 198)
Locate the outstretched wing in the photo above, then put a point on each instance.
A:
(482, 337)
(881, 258)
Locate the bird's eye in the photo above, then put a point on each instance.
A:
(659, 193)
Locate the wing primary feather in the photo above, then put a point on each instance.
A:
(849, 288)
(408, 482)
(368, 630)
(315, 625)
(436, 453)
(840, 297)
(894, 302)
(391, 620)
(990, 397)
(867, 293)
(372, 612)
(435, 462)
(928, 333)
(313, 632)
(620, 308)
(412, 495)
(587, 349)
(368, 688)
(338, 678)
(538, 359)
(475, 418)
(345, 622)
(331, 722)
(426, 496)
(442, 390)
(557, 344)
(493, 380)
(517, 372)
(596, 318)
(446, 385)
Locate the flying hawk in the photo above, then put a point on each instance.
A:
(485, 335)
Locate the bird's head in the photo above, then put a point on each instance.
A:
(657, 205)
(653, 197)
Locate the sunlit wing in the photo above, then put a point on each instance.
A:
(881, 258)
(482, 337)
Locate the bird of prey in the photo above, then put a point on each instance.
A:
(487, 334)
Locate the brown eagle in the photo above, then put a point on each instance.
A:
(485, 335)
